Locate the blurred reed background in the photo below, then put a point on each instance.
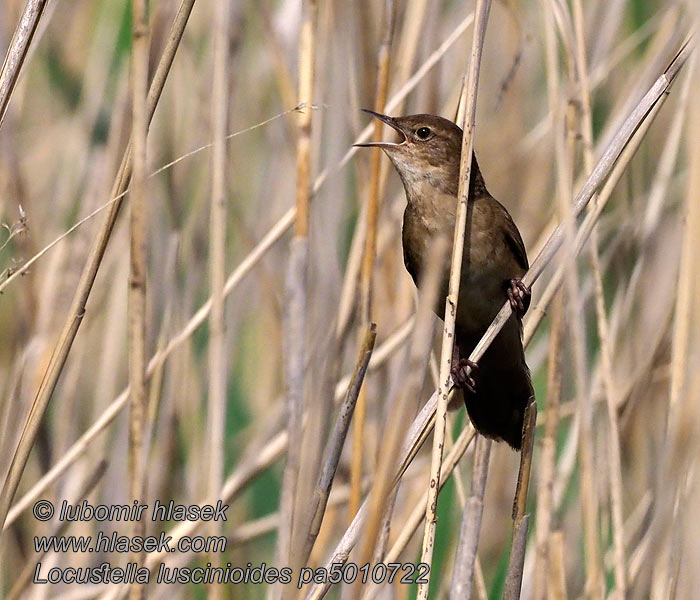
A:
(614, 489)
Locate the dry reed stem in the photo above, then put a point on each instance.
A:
(348, 290)
(411, 32)
(216, 409)
(348, 295)
(664, 172)
(606, 352)
(336, 441)
(632, 128)
(296, 294)
(382, 354)
(638, 556)
(479, 582)
(307, 58)
(138, 274)
(557, 572)
(82, 293)
(283, 76)
(564, 154)
(295, 317)
(612, 397)
(382, 89)
(516, 561)
(683, 309)
(17, 52)
(633, 531)
(417, 515)
(382, 539)
(465, 555)
(548, 451)
(370, 249)
(471, 86)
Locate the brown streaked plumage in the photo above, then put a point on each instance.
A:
(427, 161)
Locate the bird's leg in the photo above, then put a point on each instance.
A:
(519, 297)
(460, 376)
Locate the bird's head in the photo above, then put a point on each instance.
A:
(428, 149)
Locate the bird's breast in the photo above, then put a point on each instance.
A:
(487, 261)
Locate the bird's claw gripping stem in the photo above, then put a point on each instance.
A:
(460, 376)
(519, 296)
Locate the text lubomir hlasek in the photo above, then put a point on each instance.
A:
(135, 511)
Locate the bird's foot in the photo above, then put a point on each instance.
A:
(519, 296)
(461, 377)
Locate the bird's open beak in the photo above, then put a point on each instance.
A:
(391, 123)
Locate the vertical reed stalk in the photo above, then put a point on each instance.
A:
(296, 292)
(370, 250)
(465, 555)
(521, 520)
(216, 413)
(556, 574)
(480, 21)
(138, 274)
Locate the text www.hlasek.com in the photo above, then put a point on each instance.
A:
(128, 544)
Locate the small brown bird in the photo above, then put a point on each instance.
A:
(427, 159)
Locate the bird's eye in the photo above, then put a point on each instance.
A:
(423, 133)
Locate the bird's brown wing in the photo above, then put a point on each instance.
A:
(513, 238)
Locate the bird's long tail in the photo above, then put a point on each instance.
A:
(503, 389)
